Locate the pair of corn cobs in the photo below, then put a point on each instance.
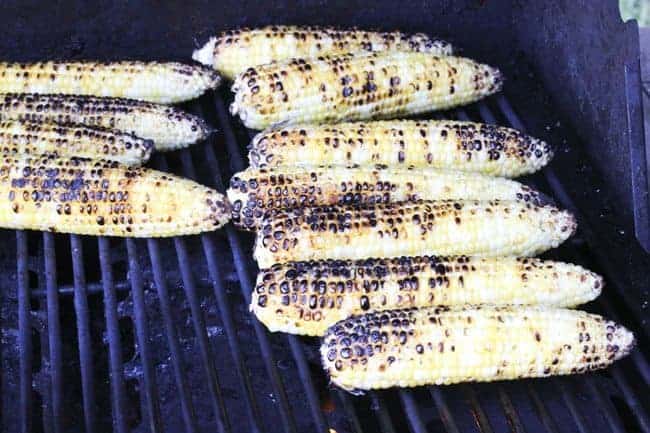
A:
(348, 215)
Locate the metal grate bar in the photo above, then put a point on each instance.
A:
(210, 252)
(561, 194)
(547, 420)
(294, 343)
(443, 409)
(385, 422)
(348, 406)
(610, 273)
(306, 379)
(477, 410)
(53, 332)
(613, 421)
(151, 395)
(197, 315)
(571, 405)
(24, 333)
(116, 364)
(411, 409)
(561, 383)
(245, 282)
(83, 333)
(187, 408)
(510, 411)
(205, 351)
(190, 172)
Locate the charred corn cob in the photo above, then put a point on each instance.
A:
(465, 146)
(235, 51)
(153, 81)
(442, 346)
(356, 87)
(27, 138)
(94, 197)
(169, 127)
(308, 297)
(254, 192)
(482, 228)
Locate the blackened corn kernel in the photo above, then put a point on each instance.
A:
(444, 346)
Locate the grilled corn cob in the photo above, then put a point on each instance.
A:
(482, 228)
(235, 51)
(169, 127)
(308, 297)
(442, 346)
(356, 87)
(27, 138)
(153, 81)
(98, 197)
(465, 146)
(254, 192)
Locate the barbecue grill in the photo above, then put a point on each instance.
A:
(154, 335)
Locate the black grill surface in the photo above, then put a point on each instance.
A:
(155, 335)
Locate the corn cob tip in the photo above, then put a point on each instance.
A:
(622, 342)
(561, 224)
(205, 54)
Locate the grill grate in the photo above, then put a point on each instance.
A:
(175, 348)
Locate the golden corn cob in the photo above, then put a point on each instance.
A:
(98, 197)
(148, 81)
(234, 51)
(28, 138)
(457, 145)
(308, 297)
(168, 127)
(442, 346)
(253, 192)
(355, 87)
(481, 228)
